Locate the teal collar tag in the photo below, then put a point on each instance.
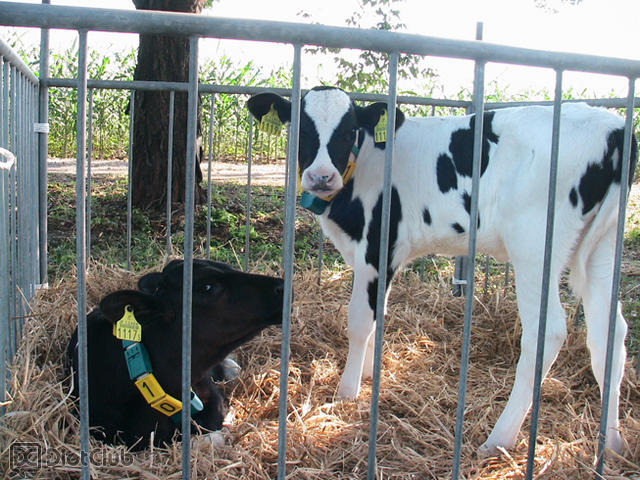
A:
(139, 366)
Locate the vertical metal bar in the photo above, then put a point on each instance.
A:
(7, 160)
(190, 179)
(35, 187)
(546, 274)
(487, 267)
(3, 114)
(11, 145)
(210, 165)
(6, 87)
(615, 287)
(383, 263)
(507, 269)
(478, 101)
(320, 254)
(43, 151)
(81, 256)
(89, 155)
(13, 220)
(247, 229)
(289, 238)
(132, 109)
(172, 99)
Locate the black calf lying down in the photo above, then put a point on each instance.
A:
(126, 395)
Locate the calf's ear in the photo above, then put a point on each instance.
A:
(149, 283)
(369, 116)
(260, 104)
(146, 308)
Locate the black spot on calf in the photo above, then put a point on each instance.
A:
(372, 256)
(426, 216)
(573, 197)
(597, 178)
(457, 227)
(446, 174)
(466, 201)
(348, 212)
(461, 145)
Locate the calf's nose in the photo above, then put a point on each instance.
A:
(320, 182)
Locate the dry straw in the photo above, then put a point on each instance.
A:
(327, 438)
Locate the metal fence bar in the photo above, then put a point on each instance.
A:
(383, 262)
(172, 99)
(365, 97)
(546, 274)
(43, 150)
(13, 193)
(5, 104)
(35, 187)
(247, 211)
(7, 163)
(81, 257)
(288, 251)
(132, 109)
(210, 165)
(15, 60)
(89, 158)
(478, 101)
(190, 181)
(162, 23)
(615, 287)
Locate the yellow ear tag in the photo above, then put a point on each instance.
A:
(380, 130)
(300, 190)
(128, 328)
(270, 122)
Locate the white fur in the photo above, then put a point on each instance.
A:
(326, 107)
(512, 208)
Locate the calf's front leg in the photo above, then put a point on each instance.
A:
(360, 329)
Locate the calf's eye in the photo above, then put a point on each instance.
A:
(208, 288)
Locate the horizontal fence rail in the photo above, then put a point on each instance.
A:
(108, 20)
(22, 111)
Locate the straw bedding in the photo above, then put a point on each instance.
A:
(327, 439)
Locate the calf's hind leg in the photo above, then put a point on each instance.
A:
(528, 288)
(595, 291)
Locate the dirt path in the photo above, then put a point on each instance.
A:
(268, 174)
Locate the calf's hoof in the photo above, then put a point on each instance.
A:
(216, 439)
(231, 369)
(347, 391)
(485, 450)
(614, 442)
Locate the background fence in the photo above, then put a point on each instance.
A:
(19, 208)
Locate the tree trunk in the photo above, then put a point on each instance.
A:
(163, 58)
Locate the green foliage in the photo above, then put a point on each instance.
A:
(367, 71)
(231, 118)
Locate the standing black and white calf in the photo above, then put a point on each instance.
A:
(430, 205)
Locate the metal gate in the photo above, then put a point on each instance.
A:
(84, 20)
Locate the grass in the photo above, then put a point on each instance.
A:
(148, 242)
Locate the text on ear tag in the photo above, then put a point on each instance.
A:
(380, 130)
(128, 328)
(270, 122)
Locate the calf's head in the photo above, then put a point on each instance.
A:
(229, 307)
(330, 126)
